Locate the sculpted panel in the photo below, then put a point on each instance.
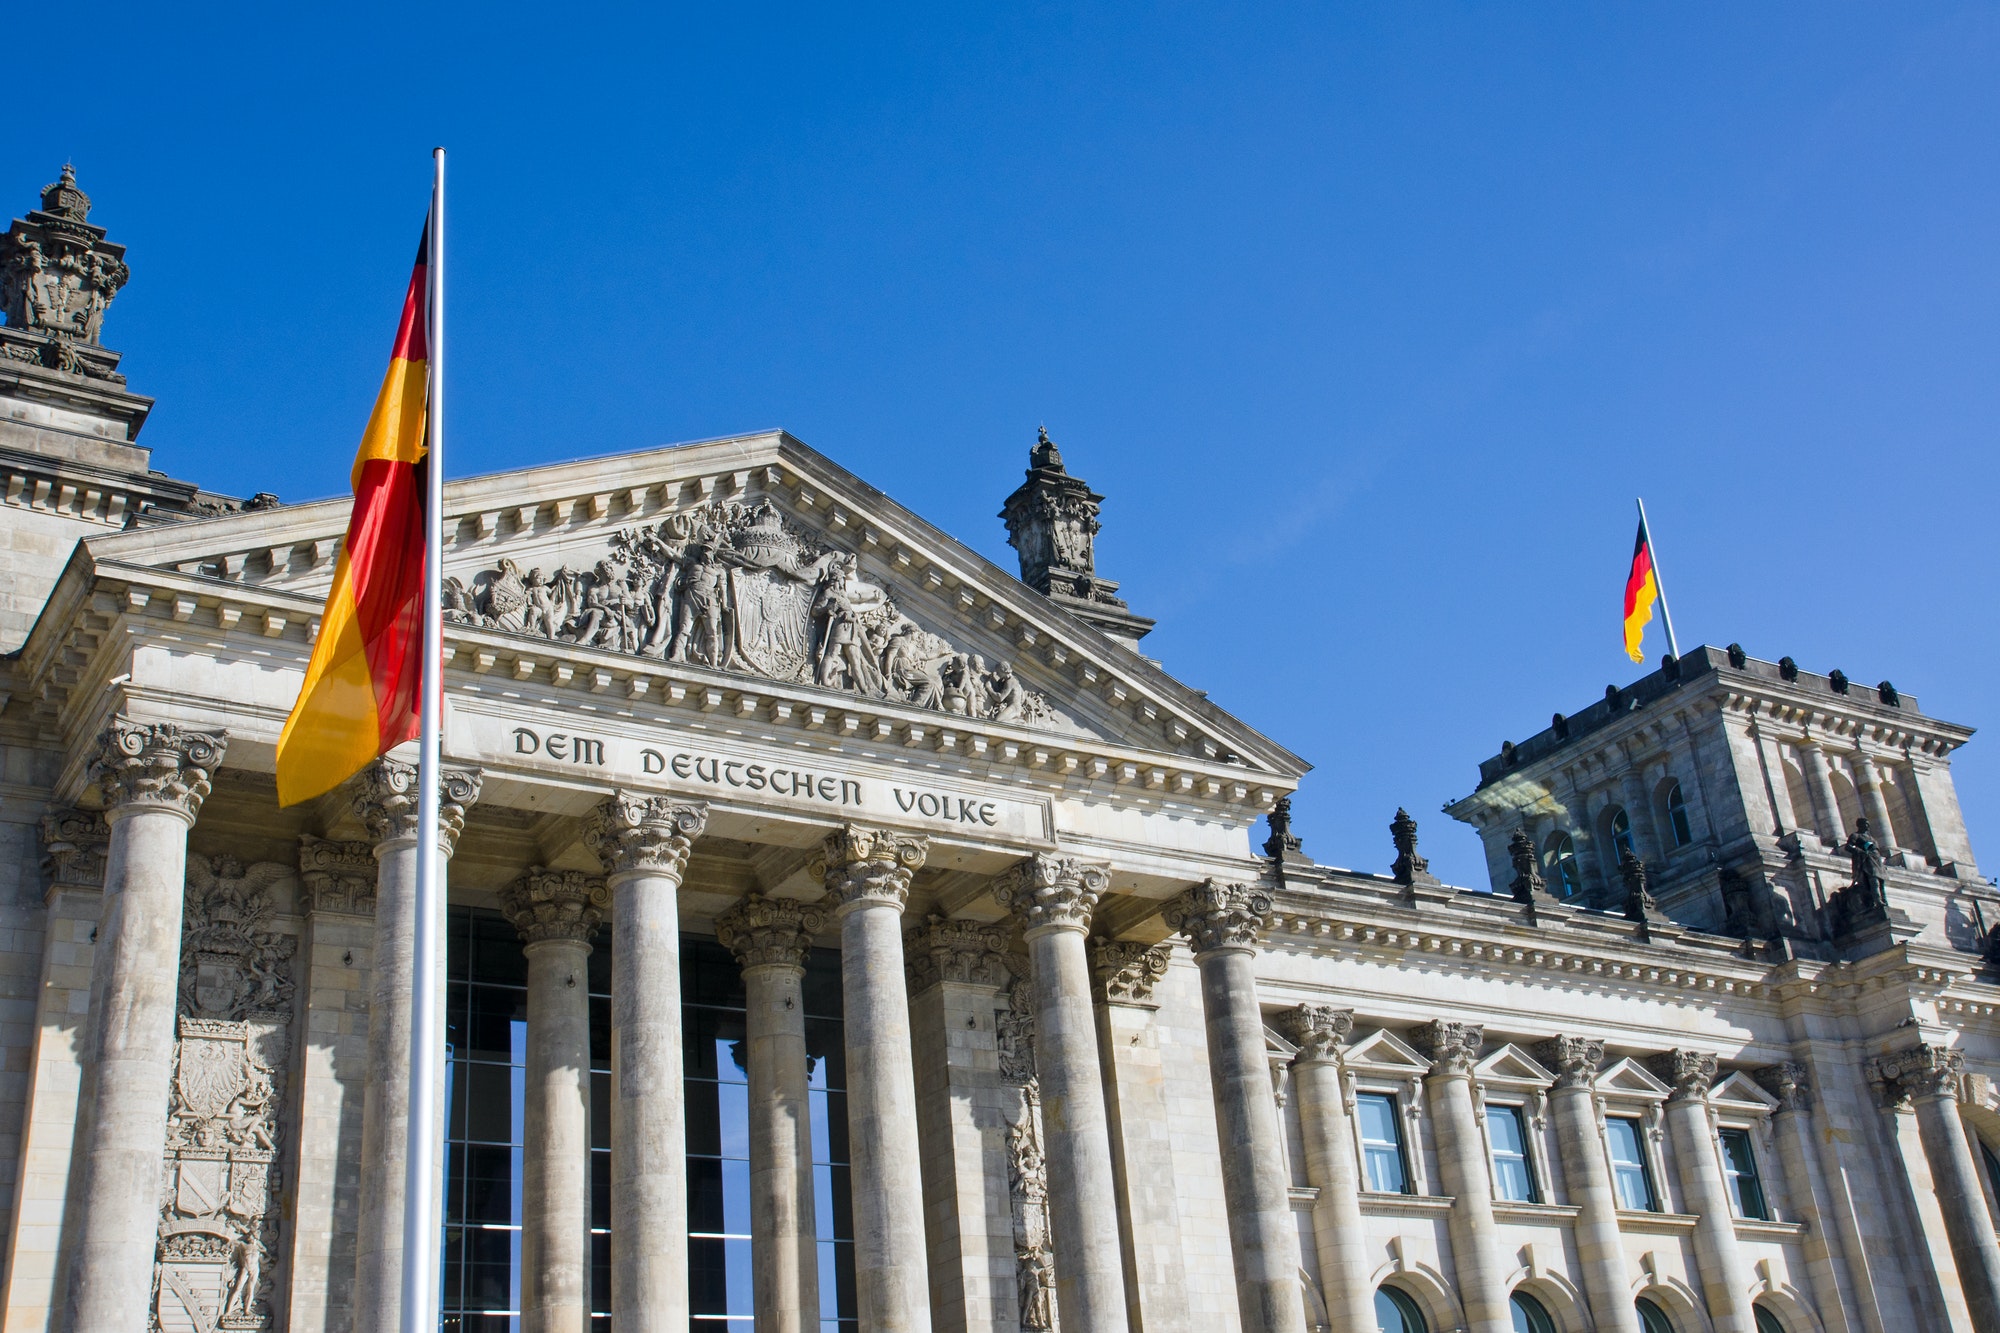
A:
(736, 587)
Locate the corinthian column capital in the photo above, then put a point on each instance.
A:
(1317, 1030)
(631, 831)
(386, 798)
(1126, 972)
(1789, 1082)
(1575, 1060)
(1919, 1072)
(548, 904)
(155, 766)
(1452, 1048)
(770, 932)
(1052, 892)
(1216, 915)
(866, 865)
(1689, 1073)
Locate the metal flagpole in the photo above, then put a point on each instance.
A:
(1653, 553)
(421, 1233)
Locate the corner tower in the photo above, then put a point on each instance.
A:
(1052, 523)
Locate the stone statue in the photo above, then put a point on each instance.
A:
(703, 592)
(1006, 701)
(844, 661)
(1865, 859)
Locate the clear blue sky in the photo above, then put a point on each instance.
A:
(1370, 320)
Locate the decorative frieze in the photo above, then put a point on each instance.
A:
(338, 876)
(156, 764)
(1689, 1073)
(770, 932)
(1452, 1048)
(1574, 1060)
(1318, 1030)
(867, 865)
(969, 952)
(386, 800)
(546, 904)
(631, 831)
(1126, 972)
(74, 843)
(1789, 1082)
(1052, 892)
(1215, 915)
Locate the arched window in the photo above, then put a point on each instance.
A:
(1766, 1321)
(1397, 1313)
(1530, 1317)
(1621, 834)
(1677, 816)
(1652, 1319)
(1559, 866)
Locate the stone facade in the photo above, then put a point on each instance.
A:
(1116, 1053)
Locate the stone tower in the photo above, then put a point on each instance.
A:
(1052, 523)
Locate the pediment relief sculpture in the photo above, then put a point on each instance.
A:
(735, 586)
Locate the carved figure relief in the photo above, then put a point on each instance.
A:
(218, 1237)
(1027, 1166)
(57, 276)
(736, 587)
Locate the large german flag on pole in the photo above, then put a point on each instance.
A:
(360, 697)
(1642, 589)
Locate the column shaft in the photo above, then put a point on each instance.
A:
(1819, 782)
(1461, 1152)
(1724, 1280)
(1328, 1139)
(1791, 1126)
(1587, 1171)
(1873, 803)
(1967, 1223)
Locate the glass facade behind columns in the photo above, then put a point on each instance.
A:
(486, 1035)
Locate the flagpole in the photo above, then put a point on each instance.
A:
(1659, 582)
(421, 1234)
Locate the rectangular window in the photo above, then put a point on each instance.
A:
(1513, 1173)
(1382, 1143)
(1629, 1175)
(1739, 1166)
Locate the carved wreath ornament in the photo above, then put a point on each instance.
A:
(736, 587)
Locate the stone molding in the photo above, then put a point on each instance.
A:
(631, 831)
(770, 932)
(1052, 892)
(862, 865)
(1575, 1060)
(1125, 972)
(972, 953)
(1452, 1048)
(1689, 1073)
(338, 876)
(386, 799)
(546, 904)
(1216, 915)
(156, 765)
(1920, 1072)
(1789, 1083)
(1318, 1030)
(75, 843)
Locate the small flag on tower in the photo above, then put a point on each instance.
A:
(1642, 589)
(360, 697)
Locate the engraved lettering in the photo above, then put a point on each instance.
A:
(525, 741)
(904, 798)
(829, 790)
(652, 761)
(927, 804)
(989, 814)
(845, 785)
(708, 770)
(683, 766)
(584, 750)
(753, 777)
(729, 771)
(557, 747)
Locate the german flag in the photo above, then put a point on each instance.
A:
(360, 697)
(1642, 588)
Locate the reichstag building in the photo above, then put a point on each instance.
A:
(847, 935)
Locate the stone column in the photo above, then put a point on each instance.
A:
(1453, 1050)
(1872, 803)
(153, 777)
(1791, 1126)
(771, 938)
(1328, 1134)
(557, 913)
(1724, 1280)
(643, 843)
(1222, 923)
(1930, 1076)
(1053, 897)
(1587, 1171)
(867, 873)
(1819, 782)
(386, 799)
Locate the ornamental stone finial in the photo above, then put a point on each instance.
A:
(1640, 905)
(869, 865)
(1125, 972)
(75, 842)
(1215, 914)
(1052, 892)
(1574, 1060)
(1528, 881)
(770, 932)
(1052, 525)
(1921, 1071)
(338, 876)
(155, 765)
(1452, 1048)
(1789, 1083)
(385, 800)
(1318, 1030)
(631, 831)
(58, 275)
(1409, 868)
(546, 904)
(972, 953)
(1689, 1073)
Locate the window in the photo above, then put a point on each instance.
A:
(1397, 1313)
(1739, 1166)
(1677, 816)
(1621, 834)
(1382, 1143)
(1766, 1321)
(1560, 869)
(1992, 1164)
(1513, 1173)
(1628, 1165)
(1530, 1317)
(1652, 1319)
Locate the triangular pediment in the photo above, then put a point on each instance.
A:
(1741, 1092)
(1510, 1066)
(754, 558)
(1384, 1054)
(1630, 1078)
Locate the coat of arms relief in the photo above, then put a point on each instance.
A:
(735, 586)
(218, 1210)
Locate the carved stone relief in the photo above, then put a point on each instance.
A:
(1027, 1166)
(57, 276)
(737, 587)
(218, 1237)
